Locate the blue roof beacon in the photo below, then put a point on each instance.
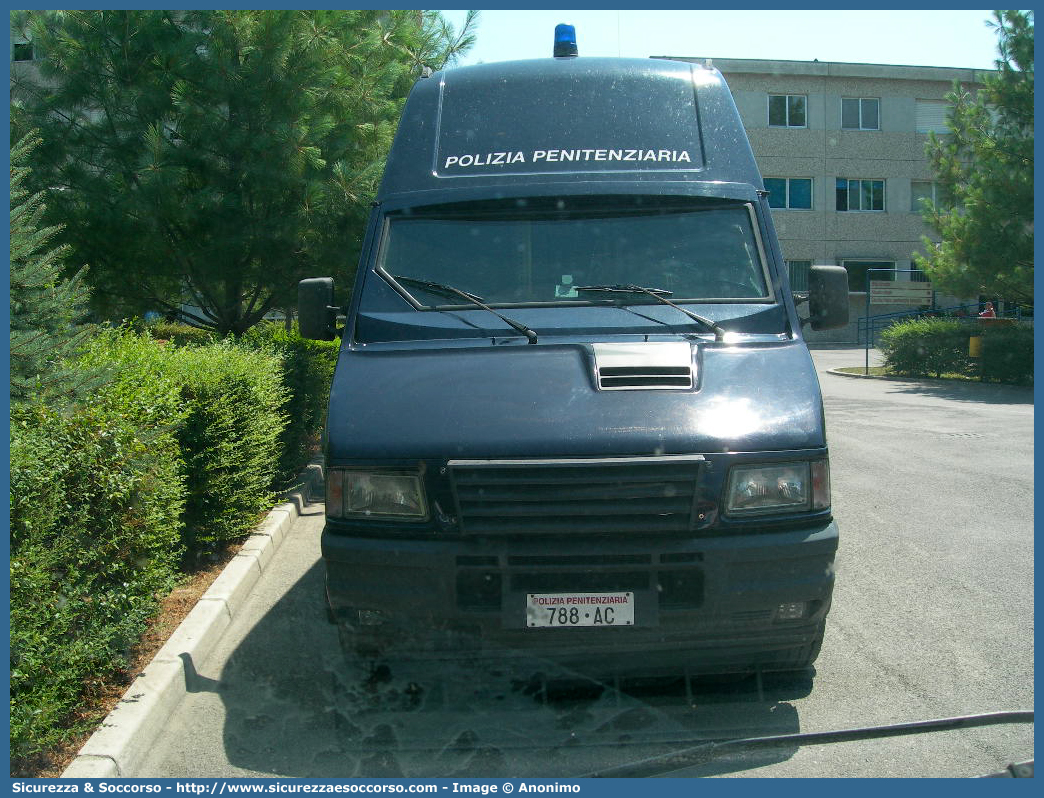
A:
(565, 41)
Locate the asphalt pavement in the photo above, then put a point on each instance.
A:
(932, 617)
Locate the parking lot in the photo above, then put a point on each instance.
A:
(932, 617)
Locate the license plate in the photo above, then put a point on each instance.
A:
(570, 610)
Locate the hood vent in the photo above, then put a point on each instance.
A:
(644, 366)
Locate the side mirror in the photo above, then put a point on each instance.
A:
(827, 297)
(316, 316)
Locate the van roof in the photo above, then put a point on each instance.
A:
(561, 121)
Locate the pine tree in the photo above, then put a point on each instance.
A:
(217, 157)
(984, 168)
(45, 306)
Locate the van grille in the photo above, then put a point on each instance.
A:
(598, 496)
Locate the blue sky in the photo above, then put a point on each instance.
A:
(952, 38)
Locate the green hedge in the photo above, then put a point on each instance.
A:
(1007, 354)
(173, 456)
(229, 437)
(933, 347)
(307, 368)
(926, 347)
(180, 334)
(97, 495)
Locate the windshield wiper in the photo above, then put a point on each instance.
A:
(449, 290)
(660, 295)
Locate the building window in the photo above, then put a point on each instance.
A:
(922, 189)
(786, 110)
(789, 192)
(797, 271)
(860, 113)
(860, 195)
(918, 276)
(930, 116)
(858, 270)
(21, 51)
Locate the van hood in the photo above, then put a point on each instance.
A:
(544, 401)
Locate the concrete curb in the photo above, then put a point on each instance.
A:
(120, 744)
(857, 376)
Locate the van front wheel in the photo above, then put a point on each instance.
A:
(801, 658)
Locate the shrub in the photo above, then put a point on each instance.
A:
(926, 346)
(180, 334)
(231, 398)
(96, 500)
(230, 439)
(176, 449)
(1007, 354)
(307, 368)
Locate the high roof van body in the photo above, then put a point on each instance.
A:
(573, 416)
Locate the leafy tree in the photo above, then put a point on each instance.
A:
(984, 211)
(217, 157)
(45, 306)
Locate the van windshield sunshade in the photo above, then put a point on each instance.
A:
(539, 255)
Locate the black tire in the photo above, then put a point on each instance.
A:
(802, 658)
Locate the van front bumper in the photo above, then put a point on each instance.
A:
(702, 604)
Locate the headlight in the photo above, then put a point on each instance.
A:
(372, 494)
(778, 488)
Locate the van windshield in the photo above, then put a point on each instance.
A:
(540, 250)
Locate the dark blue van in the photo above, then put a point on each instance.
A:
(573, 416)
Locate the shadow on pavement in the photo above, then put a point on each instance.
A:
(296, 706)
(981, 392)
